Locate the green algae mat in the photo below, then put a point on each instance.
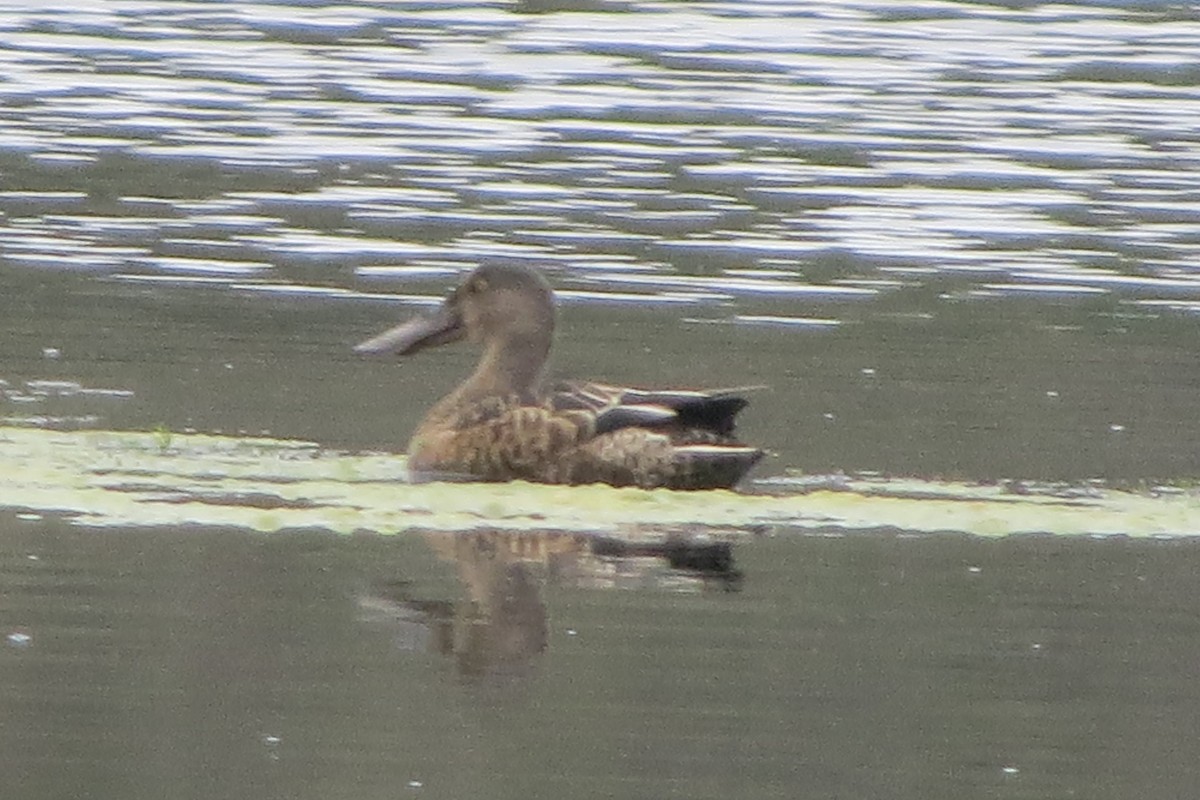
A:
(112, 478)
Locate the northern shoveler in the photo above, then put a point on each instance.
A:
(501, 424)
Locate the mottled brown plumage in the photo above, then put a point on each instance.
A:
(502, 424)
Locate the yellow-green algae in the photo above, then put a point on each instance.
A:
(110, 478)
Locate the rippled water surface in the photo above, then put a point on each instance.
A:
(957, 240)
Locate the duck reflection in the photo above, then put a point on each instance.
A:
(500, 625)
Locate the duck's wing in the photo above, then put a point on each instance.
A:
(680, 439)
(706, 413)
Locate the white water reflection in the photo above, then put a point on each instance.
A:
(699, 138)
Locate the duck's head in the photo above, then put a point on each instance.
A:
(505, 307)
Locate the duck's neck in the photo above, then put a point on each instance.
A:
(509, 366)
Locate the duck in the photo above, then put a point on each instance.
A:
(505, 423)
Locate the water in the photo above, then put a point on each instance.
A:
(216, 663)
(957, 240)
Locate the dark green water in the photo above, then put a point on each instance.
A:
(1017, 390)
(216, 663)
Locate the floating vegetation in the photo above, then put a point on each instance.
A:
(162, 437)
(111, 478)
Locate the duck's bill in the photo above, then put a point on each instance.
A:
(430, 330)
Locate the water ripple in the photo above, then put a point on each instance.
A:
(653, 150)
